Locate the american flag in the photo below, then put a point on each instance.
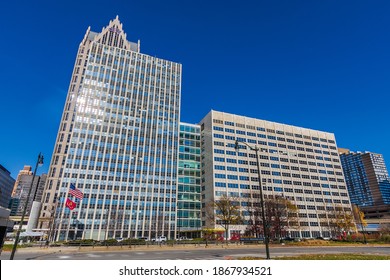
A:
(75, 192)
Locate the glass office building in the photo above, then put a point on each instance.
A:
(6, 186)
(188, 199)
(117, 143)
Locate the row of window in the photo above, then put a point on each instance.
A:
(286, 189)
(294, 161)
(278, 173)
(229, 123)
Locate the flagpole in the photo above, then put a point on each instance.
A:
(78, 195)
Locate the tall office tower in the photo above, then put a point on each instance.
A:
(367, 180)
(6, 185)
(21, 189)
(188, 189)
(301, 165)
(117, 143)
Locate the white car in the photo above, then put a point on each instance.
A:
(144, 238)
(181, 238)
(160, 239)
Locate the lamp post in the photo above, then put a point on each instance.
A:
(39, 163)
(35, 210)
(265, 229)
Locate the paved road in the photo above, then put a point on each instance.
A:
(185, 253)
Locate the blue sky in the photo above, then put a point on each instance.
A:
(322, 65)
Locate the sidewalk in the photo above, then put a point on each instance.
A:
(132, 248)
(34, 252)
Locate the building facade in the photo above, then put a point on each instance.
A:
(117, 143)
(188, 189)
(6, 185)
(21, 189)
(368, 182)
(367, 178)
(298, 164)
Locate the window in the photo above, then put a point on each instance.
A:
(232, 168)
(219, 167)
(216, 143)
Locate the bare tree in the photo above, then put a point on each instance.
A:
(224, 211)
(340, 220)
(281, 216)
(253, 219)
(384, 229)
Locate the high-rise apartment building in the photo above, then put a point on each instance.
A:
(299, 164)
(188, 189)
(6, 185)
(367, 180)
(21, 189)
(117, 143)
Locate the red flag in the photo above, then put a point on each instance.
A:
(70, 204)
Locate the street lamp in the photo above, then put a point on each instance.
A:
(39, 163)
(256, 149)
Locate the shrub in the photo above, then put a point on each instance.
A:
(130, 241)
(385, 238)
(109, 242)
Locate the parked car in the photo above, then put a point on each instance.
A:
(160, 239)
(289, 238)
(322, 238)
(144, 238)
(182, 238)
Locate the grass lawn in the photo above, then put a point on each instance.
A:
(315, 242)
(326, 257)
